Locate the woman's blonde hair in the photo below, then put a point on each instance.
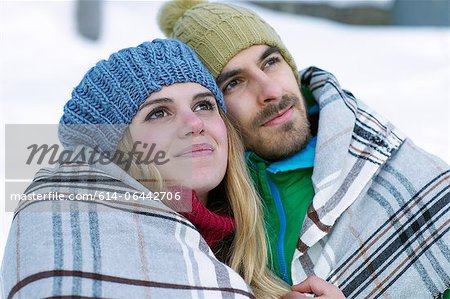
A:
(247, 253)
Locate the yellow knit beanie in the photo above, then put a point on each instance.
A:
(218, 31)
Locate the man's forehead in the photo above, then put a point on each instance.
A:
(250, 54)
(254, 55)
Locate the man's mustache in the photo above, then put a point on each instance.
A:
(271, 111)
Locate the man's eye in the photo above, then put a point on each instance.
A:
(271, 61)
(156, 113)
(204, 105)
(230, 85)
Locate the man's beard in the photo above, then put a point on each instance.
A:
(289, 138)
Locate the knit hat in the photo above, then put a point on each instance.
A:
(110, 94)
(218, 31)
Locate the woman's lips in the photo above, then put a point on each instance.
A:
(280, 118)
(196, 150)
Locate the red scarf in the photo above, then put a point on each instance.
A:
(213, 227)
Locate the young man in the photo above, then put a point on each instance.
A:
(346, 196)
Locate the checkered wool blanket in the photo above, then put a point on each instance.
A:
(110, 247)
(378, 226)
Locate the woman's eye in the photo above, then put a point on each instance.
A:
(157, 113)
(204, 105)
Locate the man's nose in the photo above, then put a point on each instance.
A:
(268, 90)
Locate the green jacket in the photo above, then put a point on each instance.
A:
(286, 190)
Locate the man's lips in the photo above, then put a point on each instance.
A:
(196, 150)
(279, 118)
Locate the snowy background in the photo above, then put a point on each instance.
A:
(402, 72)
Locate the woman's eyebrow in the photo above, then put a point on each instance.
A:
(155, 101)
(202, 95)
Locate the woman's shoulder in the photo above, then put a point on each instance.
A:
(107, 248)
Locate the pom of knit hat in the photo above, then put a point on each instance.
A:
(172, 11)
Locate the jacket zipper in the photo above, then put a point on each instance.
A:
(282, 231)
(281, 216)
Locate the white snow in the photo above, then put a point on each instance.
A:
(350, 3)
(403, 73)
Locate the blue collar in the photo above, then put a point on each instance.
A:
(302, 159)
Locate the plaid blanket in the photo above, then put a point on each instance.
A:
(110, 247)
(379, 222)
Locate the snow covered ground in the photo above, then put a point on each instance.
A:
(403, 73)
(350, 3)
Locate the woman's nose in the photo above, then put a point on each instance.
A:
(191, 124)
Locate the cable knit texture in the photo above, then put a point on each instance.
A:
(218, 31)
(213, 227)
(110, 94)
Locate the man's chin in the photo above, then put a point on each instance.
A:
(281, 146)
(278, 154)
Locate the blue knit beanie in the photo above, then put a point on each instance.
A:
(110, 94)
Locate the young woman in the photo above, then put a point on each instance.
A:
(148, 118)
